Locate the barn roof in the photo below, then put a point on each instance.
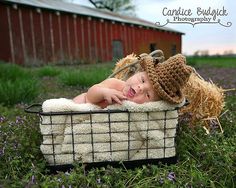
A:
(87, 11)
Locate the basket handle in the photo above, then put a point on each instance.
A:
(34, 108)
(156, 54)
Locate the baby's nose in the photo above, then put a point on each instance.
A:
(140, 87)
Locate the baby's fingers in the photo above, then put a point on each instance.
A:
(117, 100)
(121, 96)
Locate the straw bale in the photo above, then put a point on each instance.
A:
(206, 99)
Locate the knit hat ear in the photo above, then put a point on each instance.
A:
(168, 78)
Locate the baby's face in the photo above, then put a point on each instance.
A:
(139, 89)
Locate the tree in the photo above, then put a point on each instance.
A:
(117, 6)
(196, 53)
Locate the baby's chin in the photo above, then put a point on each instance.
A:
(133, 99)
(136, 101)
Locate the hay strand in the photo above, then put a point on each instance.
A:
(211, 121)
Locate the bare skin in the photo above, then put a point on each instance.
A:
(137, 88)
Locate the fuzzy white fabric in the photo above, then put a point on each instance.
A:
(97, 140)
(145, 107)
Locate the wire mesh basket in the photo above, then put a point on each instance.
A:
(99, 137)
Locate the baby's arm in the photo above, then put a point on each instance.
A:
(109, 90)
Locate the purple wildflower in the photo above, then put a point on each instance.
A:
(33, 179)
(2, 151)
(19, 120)
(2, 119)
(161, 181)
(15, 145)
(171, 176)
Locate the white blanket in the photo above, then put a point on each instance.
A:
(143, 133)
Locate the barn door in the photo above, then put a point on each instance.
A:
(117, 49)
(173, 49)
(152, 47)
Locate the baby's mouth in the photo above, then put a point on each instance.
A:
(131, 92)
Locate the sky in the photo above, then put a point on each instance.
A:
(208, 36)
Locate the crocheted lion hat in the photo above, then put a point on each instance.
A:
(168, 78)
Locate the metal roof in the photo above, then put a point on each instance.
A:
(87, 11)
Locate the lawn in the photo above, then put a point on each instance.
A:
(203, 160)
(212, 61)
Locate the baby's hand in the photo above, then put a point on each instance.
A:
(111, 95)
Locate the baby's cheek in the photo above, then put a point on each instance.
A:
(139, 100)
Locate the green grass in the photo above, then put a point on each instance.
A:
(203, 160)
(22, 90)
(17, 85)
(226, 62)
(50, 71)
(83, 77)
(13, 72)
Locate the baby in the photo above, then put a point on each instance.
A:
(137, 88)
(157, 81)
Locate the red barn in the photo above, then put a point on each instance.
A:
(36, 32)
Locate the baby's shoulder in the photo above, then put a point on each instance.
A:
(114, 82)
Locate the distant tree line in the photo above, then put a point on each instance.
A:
(206, 53)
(118, 6)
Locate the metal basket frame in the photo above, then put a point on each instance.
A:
(110, 122)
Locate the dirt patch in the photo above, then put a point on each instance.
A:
(223, 77)
(52, 89)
